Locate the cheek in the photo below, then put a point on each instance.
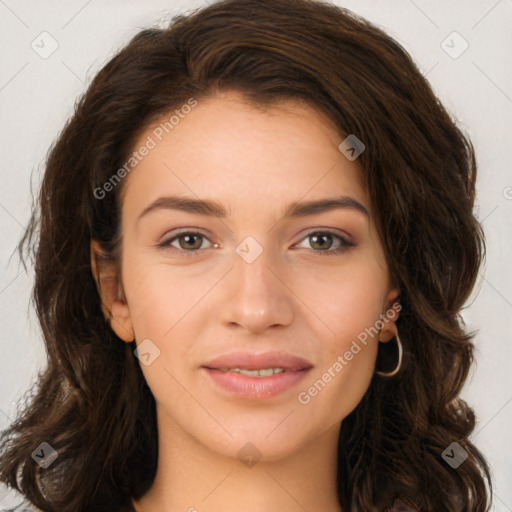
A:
(159, 296)
(349, 304)
(348, 300)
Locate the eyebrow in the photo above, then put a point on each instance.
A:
(215, 209)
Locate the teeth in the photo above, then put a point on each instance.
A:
(265, 372)
(251, 373)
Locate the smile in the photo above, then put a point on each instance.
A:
(254, 376)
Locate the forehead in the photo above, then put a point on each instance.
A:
(238, 153)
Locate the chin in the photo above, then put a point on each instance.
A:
(263, 439)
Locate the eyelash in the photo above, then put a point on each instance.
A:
(345, 243)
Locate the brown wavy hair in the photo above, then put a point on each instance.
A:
(92, 404)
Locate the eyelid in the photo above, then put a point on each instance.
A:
(172, 235)
(346, 239)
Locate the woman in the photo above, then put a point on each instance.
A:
(254, 240)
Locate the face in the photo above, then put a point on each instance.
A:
(259, 279)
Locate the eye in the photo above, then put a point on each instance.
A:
(323, 240)
(188, 242)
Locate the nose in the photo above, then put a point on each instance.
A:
(256, 295)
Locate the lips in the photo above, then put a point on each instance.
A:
(256, 376)
(248, 361)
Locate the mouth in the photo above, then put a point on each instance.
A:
(256, 376)
(264, 372)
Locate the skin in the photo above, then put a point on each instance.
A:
(292, 298)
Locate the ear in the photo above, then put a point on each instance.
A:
(113, 302)
(390, 314)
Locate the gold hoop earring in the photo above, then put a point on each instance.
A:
(395, 371)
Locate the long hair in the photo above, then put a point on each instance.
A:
(91, 403)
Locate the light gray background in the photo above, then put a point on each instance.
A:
(37, 96)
